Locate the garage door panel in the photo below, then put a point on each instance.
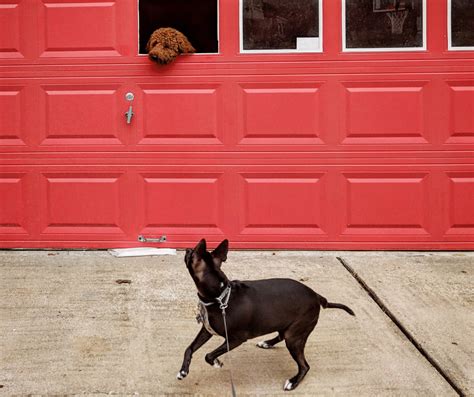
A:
(387, 204)
(10, 21)
(309, 206)
(384, 113)
(280, 113)
(276, 203)
(13, 206)
(461, 107)
(317, 150)
(79, 29)
(74, 115)
(182, 115)
(181, 203)
(82, 204)
(12, 104)
(460, 204)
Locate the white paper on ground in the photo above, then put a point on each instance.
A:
(141, 251)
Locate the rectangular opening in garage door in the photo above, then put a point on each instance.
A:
(198, 23)
(273, 26)
(384, 25)
(461, 24)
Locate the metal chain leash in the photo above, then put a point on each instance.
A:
(223, 306)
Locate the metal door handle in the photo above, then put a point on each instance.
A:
(143, 239)
(129, 114)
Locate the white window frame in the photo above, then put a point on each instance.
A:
(450, 34)
(383, 49)
(281, 51)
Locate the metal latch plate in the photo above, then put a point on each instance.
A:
(144, 239)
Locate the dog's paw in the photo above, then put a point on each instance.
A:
(181, 375)
(288, 385)
(217, 364)
(264, 345)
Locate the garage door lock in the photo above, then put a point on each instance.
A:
(143, 239)
(129, 114)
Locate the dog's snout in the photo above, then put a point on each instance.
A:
(153, 56)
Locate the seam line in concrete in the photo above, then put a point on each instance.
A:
(400, 326)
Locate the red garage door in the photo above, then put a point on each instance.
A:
(298, 124)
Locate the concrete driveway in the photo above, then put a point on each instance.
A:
(68, 327)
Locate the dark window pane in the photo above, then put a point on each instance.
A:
(196, 19)
(280, 25)
(384, 23)
(462, 23)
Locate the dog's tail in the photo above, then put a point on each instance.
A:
(329, 305)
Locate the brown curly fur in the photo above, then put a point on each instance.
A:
(165, 44)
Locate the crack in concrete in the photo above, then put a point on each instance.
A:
(400, 326)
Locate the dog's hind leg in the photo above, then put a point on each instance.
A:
(202, 337)
(212, 357)
(296, 348)
(295, 337)
(268, 344)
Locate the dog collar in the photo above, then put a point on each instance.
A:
(203, 316)
(222, 299)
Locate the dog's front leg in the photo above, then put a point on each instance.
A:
(211, 358)
(202, 337)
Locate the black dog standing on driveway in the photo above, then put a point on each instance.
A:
(255, 308)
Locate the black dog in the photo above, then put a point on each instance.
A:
(255, 308)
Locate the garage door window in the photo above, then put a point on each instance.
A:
(280, 26)
(461, 24)
(198, 23)
(384, 25)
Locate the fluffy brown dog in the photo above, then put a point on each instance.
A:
(165, 44)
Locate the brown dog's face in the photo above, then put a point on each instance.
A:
(165, 44)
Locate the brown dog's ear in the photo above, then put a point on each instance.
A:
(184, 46)
(200, 249)
(219, 255)
(148, 45)
(152, 41)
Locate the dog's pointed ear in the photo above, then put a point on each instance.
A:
(219, 255)
(200, 249)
